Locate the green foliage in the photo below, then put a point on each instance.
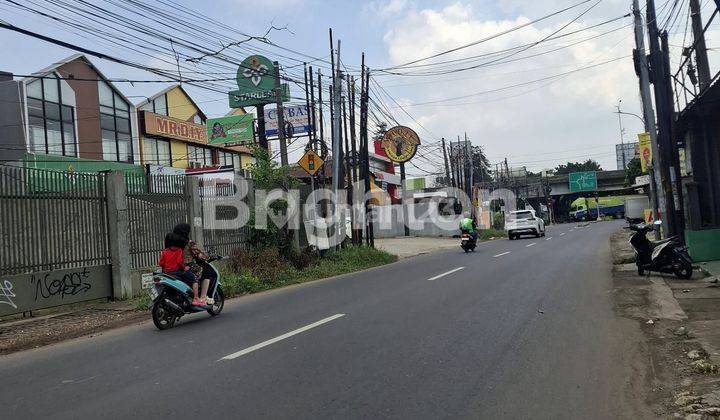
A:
(498, 221)
(634, 170)
(485, 234)
(251, 272)
(587, 166)
(143, 301)
(268, 175)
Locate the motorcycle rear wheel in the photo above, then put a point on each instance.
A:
(219, 304)
(162, 318)
(684, 271)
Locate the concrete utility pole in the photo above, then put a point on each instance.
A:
(336, 137)
(280, 116)
(447, 169)
(703, 67)
(664, 118)
(656, 194)
(469, 150)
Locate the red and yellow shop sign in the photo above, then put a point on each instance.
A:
(160, 125)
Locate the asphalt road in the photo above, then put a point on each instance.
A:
(524, 329)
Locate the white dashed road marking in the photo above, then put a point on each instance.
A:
(500, 255)
(281, 337)
(445, 273)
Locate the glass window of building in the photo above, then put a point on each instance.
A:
(115, 125)
(199, 157)
(51, 121)
(157, 152)
(157, 105)
(228, 159)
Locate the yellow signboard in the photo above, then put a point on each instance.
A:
(400, 143)
(648, 216)
(311, 162)
(645, 150)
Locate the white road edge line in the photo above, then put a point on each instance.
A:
(446, 273)
(529, 245)
(280, 337)
(500, 255)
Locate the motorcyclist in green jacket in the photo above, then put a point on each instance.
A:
(468, 225)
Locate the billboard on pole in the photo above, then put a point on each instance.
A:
(296, 121)
(235, 129)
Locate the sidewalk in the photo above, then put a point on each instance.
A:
(681, 319)
(64, 323)
(411, 246)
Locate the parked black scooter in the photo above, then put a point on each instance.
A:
(666, 256)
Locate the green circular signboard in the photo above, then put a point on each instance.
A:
(256, 73)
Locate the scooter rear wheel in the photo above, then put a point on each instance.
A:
(162, 318)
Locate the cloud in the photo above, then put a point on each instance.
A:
(387, 8)
(537, 124)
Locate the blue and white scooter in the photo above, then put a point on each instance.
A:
(171, 299)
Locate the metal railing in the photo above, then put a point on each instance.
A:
(51, 220)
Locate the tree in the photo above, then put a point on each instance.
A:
(481, 165)
(587, 166)
(267, 175)
(634, 170)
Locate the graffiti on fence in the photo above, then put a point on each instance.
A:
(45, 289)
(63, 284)
(6, 294)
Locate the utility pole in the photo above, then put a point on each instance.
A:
(370, 234)
(468, 148)
(447, 169)
(336, 134)
(703, 67)
(453, 164)
(664, 117)
(656, 194)
(674, 155)
(280, 116)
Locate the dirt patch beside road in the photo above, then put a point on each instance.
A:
(682, 380)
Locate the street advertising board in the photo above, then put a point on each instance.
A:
(311, 162)
(256, 83)
(174, 128)
(400, 143)
(296, 121)
(582, 181)
(645, 151)
(232, 130)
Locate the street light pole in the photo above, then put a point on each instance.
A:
(622, 135)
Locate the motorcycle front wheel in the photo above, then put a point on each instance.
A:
(219, 304)
(162, 318)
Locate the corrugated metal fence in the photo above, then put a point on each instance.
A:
(51, 220)
(153, 210)
(232, 235)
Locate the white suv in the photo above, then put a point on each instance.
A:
(524, 222)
